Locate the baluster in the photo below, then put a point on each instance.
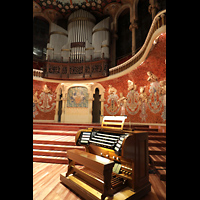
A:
(163, 19)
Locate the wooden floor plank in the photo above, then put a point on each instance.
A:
(158, 186)
(54, 137)
(47, 186)
(49, 180)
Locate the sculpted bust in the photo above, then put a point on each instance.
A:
(131, 85)
(35, 99)
(122, 102)
(111, 90)
(143, 96)
(46, 89)
(152, 77)
(162, 89)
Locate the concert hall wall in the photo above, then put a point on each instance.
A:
(150, 109)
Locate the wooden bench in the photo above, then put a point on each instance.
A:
(101, 170)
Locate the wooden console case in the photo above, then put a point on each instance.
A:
(114, 166)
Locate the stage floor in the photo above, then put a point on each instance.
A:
(47, 186)
(54, 137)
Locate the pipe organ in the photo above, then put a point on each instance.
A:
(80, 26)
(82, 40)
(58, 37)
(100, 38)
(114, 165)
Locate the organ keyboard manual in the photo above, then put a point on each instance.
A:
(114, 165)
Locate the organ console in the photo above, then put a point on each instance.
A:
(114, 165)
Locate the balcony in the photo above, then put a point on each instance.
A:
(83, 70)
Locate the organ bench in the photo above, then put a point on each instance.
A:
(114, 166)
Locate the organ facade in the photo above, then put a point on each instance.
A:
(84, 40)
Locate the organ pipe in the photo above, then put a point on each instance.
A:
(79, 23)
(85, 39)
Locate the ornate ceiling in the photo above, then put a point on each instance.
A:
(66, 7)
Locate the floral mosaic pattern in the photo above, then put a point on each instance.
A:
(68, 6)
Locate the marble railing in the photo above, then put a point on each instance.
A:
(158, 22)
(98, 69)
(37, 73)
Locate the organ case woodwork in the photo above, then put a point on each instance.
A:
(115, 163)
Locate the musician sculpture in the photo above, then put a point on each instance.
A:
(122, 103)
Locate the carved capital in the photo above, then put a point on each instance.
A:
(153, 5)
(52, 14)
(111, 9)
(133, 25)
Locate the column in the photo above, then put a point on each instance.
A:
(64, 99)
(153, 7)
(114, 38)
(102, 100)
(132, 28)
(56, 110)
(112, 9)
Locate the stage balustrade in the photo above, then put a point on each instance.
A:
(83, 70)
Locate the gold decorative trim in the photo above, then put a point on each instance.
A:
(101, 29)
(57, 32)
(90, 48)
(50, 48)
(81, 19)
(105, 45)
(65, 50)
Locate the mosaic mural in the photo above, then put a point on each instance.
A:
(45, 102)
(138, 102)
(112, 102)
(77, 97)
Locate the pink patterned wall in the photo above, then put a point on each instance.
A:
(150, 112)
(44, 109)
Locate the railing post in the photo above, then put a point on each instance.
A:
(158, 21)
(68, 68)
(132, 28)
(84, 68)
(37, 73)
(102, 65)
(90, 65)
(163, 19)
(61, 68)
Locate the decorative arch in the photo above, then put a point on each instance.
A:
(102, 99)
(59, 90)
(100, 87)
(42, 15)
(86, 112)
(118, 13)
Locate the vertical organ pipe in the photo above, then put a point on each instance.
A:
(80, 24)
(85, 39)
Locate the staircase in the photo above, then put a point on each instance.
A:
(156, 147)
(157, 153)
(51, 141)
